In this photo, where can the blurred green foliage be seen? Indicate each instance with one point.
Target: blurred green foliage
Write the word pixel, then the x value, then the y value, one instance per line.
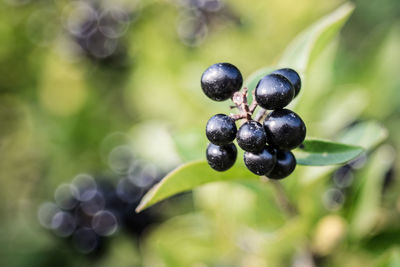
pixel 61 107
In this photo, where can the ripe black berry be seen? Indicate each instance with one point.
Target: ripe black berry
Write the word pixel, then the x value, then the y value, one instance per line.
pixel 221 158
pixel 285 165
pixel 221 129
pixel 221 80
pixel 285 129
pixel 292 76
pixel 251 137
pixel 261 163
pixel 274 91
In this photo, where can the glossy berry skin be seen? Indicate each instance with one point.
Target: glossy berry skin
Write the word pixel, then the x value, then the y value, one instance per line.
pixel 260 163
pixel 220 81
pixel 292 76
pixel 221 158
pixel 251 137
pixel 284 166
pixel 274 91
pixel 221 129
pixel 285 129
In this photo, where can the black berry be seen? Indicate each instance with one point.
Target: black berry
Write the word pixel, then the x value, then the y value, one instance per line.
pixel 221 158
pixel 221 80
pixel 274 91
pixel 284 166
pixel 251 137
pixel 285 129
pixel 261 163
pixel 221 129
pixel 292 76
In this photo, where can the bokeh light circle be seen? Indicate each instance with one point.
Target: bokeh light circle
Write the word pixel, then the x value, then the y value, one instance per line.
pixel 63 223
pixel 120 159
pixel 104 223
pixel 85 185
pixel 65 196
pixel 93 205
pixel 85 240
pixel 127 191
pixel 46 213
pixel 333 199
pixel 114 22
pixel 80 19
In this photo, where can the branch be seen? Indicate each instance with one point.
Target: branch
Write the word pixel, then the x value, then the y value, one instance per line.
pixel 254 104
pixel 240 100
pixel 238 116
pixel 281 197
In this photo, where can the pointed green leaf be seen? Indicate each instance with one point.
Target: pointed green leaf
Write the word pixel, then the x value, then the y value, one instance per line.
pixel 196 173
pixel 252 80
pixel 189 176
pixel 190 144
pixel 365 134
pixel 321 153
pixel 308 44
pixel 367 207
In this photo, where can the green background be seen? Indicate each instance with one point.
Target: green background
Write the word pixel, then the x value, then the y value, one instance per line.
pixel 60 112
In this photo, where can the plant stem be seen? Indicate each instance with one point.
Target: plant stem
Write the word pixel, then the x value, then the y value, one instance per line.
pixel 240 100
pixel 291 210
pixel 281 197
pixel 260 114
pixel 254 104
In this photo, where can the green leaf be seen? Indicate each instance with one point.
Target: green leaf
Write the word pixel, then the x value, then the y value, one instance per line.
pixel 382 241
pixel 196 173
pixel 285 240
pixel 367 208
pixel 367 134
pixel 253 78
pixel 320 153
pixel 189 176
pixel 190 144
pixel 195 234
pixel 389 257
pixel 308 44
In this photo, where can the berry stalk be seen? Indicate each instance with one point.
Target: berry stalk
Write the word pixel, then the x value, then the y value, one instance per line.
pixel 239 98
pixel 260 114
pixel 281 197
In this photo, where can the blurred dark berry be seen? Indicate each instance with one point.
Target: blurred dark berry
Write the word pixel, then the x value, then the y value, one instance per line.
pixel 63 223
pixel 389 178
pixel 343 177
pixel 333 199
pixel 85 240
pixel 94 210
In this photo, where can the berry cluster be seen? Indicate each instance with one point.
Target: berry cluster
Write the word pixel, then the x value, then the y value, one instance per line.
pixel 87 211
pixel 199 17
pixel 267 146
pixel 99 30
